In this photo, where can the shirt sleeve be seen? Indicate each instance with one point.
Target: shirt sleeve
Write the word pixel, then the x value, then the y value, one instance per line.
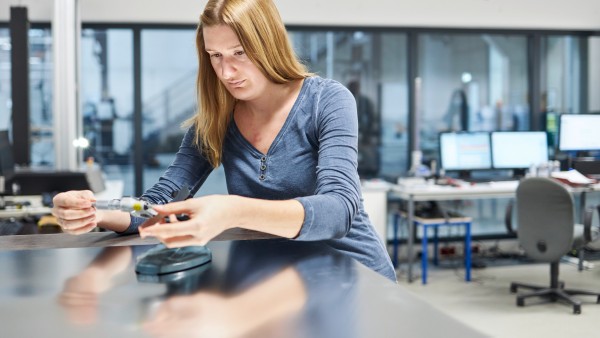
pixel 189 168
pixel 329 213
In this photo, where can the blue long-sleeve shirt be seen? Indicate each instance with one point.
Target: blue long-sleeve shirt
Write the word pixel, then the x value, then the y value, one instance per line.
pixel 313 159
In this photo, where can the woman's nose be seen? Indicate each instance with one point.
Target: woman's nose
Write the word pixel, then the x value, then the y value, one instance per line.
pixel 227 69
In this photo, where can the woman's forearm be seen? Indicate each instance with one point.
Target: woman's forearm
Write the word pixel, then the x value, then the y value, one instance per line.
pixel 280 218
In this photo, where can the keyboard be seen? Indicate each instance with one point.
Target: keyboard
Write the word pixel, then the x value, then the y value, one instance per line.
pixel 489 179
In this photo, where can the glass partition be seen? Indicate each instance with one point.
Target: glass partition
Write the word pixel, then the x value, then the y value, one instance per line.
pixel 5 76
pixel 470 82
pixel 40 97
pixel 561 74
pixel 561 82
pixel 372 65
pixel 169 68
pixel 40 92
pixel 107 101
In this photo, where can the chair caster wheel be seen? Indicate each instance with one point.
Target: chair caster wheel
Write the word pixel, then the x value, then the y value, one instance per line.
pixel 513 289
pixel 577 309
pixel 598 300
pixel 520 302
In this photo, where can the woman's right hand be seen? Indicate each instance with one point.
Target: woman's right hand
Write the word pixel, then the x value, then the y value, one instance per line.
pixel 75 212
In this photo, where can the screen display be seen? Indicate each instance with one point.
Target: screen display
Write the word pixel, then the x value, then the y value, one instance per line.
pixel 578 132
pixel 519 149
pixel 465 151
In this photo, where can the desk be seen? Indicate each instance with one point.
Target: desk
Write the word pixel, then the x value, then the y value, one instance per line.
pixel 265 288
pixel 374 195
pixel 114 189
pixel 430 192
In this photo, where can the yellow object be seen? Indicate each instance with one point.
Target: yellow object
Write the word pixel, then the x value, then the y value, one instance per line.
pixel 47 220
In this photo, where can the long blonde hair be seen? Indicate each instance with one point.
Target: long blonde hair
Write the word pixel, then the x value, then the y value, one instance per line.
pixel 263 36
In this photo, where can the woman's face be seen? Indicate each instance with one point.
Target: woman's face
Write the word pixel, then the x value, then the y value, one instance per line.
pixel 231 64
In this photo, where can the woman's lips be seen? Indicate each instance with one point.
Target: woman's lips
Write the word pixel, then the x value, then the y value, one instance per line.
pixel 236 84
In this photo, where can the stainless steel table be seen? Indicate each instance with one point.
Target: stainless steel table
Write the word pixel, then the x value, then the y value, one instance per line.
pixel 258 288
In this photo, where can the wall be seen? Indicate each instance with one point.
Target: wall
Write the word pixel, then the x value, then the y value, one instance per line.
pixel 529 14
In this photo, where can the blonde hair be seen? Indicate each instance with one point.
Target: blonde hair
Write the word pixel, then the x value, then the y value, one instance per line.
pixel 264 38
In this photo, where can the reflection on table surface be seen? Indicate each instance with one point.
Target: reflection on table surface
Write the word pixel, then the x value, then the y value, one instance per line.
pixel 260 288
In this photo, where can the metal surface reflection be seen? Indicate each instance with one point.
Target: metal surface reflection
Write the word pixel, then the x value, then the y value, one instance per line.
pixel 270 288
pixel 258 288
pixel 81 293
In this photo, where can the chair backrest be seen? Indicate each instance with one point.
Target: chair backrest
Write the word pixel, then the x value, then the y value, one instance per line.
pixel 545 218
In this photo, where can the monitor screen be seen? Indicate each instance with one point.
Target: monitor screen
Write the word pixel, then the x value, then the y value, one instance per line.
pixel 579 132
pixel 519 149
pixel 465 151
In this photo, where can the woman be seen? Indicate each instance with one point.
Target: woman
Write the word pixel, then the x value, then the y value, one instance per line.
pixel 287 141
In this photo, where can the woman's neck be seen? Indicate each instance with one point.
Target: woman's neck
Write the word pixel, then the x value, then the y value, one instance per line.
pixel 278 99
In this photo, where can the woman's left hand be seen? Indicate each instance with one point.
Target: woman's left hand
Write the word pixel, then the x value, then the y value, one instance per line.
pixel 208 217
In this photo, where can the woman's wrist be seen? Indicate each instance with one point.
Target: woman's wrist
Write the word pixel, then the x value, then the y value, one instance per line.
pixel 99 218
pixel 235 213
pixel 113 220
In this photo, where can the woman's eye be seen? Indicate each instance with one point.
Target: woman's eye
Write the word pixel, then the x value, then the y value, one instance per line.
pixel 240 52
pixel 215 55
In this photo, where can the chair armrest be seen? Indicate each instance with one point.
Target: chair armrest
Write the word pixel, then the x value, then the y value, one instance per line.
pixel 508 217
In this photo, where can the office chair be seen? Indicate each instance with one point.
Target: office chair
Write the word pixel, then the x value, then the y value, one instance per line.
pixel 547 231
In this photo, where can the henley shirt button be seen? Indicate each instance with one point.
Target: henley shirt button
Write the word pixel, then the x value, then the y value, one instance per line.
pixel 263 159
pixel 261 177
pixel 263 167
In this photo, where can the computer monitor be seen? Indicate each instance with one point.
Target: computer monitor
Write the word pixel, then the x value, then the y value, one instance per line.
pixel 38 181
pixel 519 149
pixel 579 132
pixel 465 151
